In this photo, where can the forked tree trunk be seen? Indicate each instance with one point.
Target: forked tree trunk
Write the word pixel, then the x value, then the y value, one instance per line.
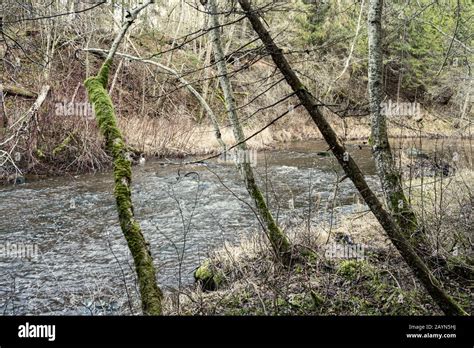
pixel 278 239
pixel 432 285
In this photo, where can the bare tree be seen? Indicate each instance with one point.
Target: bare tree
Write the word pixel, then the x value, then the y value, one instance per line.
pixel 352 170
pixel 278 240
pixel 389 175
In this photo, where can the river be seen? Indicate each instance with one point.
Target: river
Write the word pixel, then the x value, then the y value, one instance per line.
pixel 83 265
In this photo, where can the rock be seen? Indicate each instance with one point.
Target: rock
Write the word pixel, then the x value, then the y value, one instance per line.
pixel 428 167
pixel 15 179
pixel 414 152
pixel 323 153
pixel 19 180
pixel 209 278
pixel 135 156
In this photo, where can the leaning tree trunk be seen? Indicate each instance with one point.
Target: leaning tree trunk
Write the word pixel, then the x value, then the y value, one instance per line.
pixel 96 86
pixel 389 176
pixel 432 285
pixel 278 239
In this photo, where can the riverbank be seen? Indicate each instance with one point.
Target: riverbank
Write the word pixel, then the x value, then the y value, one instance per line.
pixel 352 268
pixel 167 139
pixel 82 151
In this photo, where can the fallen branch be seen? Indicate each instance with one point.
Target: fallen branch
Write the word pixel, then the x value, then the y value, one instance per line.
pixel 18 91
pixel 34 108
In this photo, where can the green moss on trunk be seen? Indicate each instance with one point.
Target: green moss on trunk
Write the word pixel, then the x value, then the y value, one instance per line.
pixel 151 295
pixel 209 277
pixel 278 239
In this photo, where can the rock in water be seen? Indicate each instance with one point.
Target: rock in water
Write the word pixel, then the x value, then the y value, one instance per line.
pixel 18 180
pixel 323 153
pixel 414 152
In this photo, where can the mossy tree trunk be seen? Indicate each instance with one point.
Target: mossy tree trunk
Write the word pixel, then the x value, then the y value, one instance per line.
pixel 419 268
pixel 96 86
pixel 278 239
pixel 389 176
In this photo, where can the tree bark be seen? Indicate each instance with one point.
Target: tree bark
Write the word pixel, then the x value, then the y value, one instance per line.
pixel 96 86
pixel 432 285
pixel 278 239
pixel 389 176
pixel 3 112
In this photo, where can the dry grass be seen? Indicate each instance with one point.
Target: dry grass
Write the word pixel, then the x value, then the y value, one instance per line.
pixel 379 284
pixel 445 207
pixel 168 138
pixel 253 284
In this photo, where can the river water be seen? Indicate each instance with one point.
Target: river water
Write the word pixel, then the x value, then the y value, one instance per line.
pixel 83 265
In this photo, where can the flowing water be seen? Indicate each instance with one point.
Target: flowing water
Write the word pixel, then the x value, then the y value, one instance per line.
pixel 83 265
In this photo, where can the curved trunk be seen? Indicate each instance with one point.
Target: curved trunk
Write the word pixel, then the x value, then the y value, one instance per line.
pixel 96 89
pixel 96 86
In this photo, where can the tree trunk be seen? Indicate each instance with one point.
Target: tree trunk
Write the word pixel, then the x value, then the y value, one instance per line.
pixel 389 176
pixel 3 111
pixel 278 240
pixel 432 285
pixel 96 87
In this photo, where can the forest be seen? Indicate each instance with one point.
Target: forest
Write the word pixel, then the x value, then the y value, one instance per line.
pixel 236 157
